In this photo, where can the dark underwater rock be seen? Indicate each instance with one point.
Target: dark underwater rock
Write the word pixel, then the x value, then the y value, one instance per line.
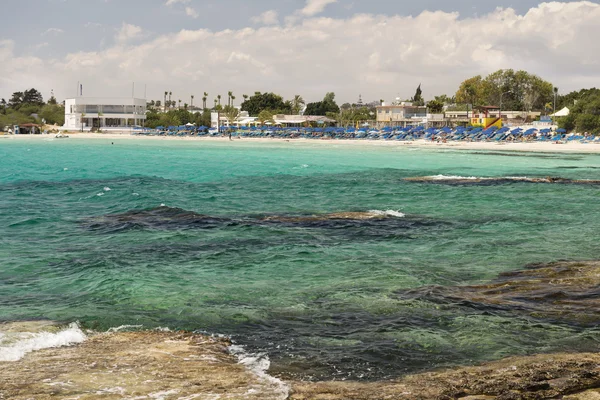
pixel 176 218
pixel 479 181
pixel 155 218
pixel 563 292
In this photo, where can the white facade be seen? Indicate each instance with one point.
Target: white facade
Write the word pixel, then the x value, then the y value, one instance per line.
pixel 104 112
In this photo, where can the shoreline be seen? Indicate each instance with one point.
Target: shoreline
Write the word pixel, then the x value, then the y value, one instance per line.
pixel 524 147
pixel 166 364
pixel 182 365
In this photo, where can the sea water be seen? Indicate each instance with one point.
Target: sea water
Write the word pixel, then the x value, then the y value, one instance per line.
pixel 319 299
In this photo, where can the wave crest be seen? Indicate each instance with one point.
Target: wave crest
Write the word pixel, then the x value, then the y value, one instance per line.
pixel 15 345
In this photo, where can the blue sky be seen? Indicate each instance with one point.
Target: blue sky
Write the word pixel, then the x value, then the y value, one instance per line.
pixel 291 46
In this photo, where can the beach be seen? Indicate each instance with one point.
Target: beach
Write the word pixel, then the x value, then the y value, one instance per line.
pixel 563 147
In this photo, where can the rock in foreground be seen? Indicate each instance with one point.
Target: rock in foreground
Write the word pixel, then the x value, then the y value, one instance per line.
pixel 557 376
pixel 137 365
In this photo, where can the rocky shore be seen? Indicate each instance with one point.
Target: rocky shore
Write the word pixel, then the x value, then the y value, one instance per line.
pixel 181 365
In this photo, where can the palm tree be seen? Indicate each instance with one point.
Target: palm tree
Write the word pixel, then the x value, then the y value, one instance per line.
pixel 215 103
pixel 265 116
pixel 245 96
pixel 204 100
pixel 219 97
pixel 232 99
pixel 297 104
pixel 165 103
pixel 231 113
pixel 192 101
pixel 179 106
pixel 185 106
pixel 170 93
pixel 229 94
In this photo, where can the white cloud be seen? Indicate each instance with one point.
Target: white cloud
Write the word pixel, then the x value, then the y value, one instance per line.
pixel 267 18
pixel 388 56
pixel 190 12
pixel 128 32
pixel 53 31
pixel 173 2
pixel 314 7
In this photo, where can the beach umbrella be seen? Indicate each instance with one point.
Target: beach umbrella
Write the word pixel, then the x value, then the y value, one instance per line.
pixel 561 130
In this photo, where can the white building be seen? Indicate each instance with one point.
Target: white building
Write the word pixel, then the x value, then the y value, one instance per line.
pixel 104 112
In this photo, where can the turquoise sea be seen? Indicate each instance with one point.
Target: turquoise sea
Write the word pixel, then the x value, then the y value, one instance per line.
pixel 173 234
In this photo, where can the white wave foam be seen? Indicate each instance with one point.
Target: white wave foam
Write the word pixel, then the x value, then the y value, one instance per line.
pixel 13 347
pixel 388 213
pixel 123 327
pixel 107 189
pixel 451 177
pixel 259 364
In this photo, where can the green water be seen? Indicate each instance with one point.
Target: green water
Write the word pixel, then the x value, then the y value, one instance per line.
pixel 318 299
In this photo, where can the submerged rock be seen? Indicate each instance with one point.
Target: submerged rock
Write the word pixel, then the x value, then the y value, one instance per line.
pixel 478 181
pixel 155 218
pixel 326 217
pixel 567 292
pixel 176 218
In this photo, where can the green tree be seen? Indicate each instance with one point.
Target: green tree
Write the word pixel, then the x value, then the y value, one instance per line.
pixel 219 99
pixel 471 91
pixel 264 101
pixel 16 100
pixel 435 106
pixel 297 104
pixel 53 114
pixel 323 107
pixel 265 116
pixel 584 113
pixel 231 113
pixel 417 99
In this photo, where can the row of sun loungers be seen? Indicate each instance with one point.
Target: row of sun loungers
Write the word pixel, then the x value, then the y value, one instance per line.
pixel 504 134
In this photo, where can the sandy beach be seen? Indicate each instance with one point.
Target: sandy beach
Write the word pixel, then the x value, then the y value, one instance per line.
pixel 544 147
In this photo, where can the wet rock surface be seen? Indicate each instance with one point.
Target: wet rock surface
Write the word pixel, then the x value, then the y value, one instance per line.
pixel 557 376
pixel 563 292
pixel 478 181
pixel 136 365
pixel 178 365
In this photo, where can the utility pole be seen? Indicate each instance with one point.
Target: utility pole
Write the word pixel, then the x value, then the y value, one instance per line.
pixel 554 112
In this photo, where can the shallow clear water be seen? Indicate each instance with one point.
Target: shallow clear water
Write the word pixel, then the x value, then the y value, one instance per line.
pixel 318 298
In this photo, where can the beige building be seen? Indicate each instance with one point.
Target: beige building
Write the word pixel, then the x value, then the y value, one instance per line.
pixel 403 114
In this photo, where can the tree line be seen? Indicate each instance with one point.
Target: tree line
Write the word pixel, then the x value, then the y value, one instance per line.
pixel 506 88
pixel 29 107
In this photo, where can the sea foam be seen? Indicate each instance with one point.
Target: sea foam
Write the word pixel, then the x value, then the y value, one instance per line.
pixel 14 346
pixel 259 364
pixel 388 213
pixel 451 177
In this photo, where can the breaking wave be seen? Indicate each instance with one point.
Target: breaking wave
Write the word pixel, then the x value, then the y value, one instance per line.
pixel 15 345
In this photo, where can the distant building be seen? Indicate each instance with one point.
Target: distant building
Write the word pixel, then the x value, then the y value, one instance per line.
pixel 402 114
pixel 279 120
pixel 104 112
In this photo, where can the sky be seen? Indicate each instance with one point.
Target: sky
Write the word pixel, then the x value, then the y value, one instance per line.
pixel 380 49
